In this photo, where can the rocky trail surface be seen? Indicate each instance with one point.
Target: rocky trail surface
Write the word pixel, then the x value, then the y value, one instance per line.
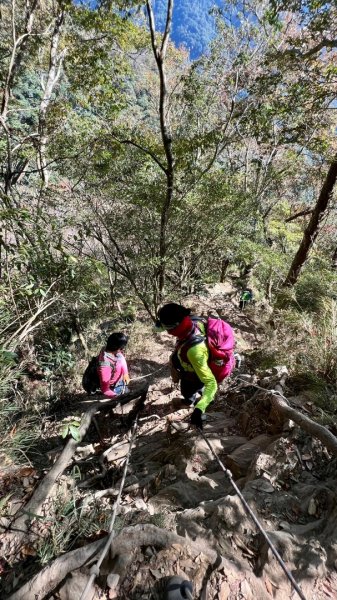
pixel 178 513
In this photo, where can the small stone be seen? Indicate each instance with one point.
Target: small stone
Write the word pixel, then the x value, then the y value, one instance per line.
pixel 312 508
pixel 140 504
pixel 266 486
pixel 285 525
pixel 245 589
pixel 280 370
pixel 155 573
pixel 150 508
pixel 112 580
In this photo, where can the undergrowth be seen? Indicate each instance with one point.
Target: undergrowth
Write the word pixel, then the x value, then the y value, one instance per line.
pixel 18 430
pixel 306 342
pixel 70 525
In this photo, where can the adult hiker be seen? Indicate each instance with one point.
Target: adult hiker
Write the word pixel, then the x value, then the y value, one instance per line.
pixel 112 367
pixel 245 298
pixel 197 360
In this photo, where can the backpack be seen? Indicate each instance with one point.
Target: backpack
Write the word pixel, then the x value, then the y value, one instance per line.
pixel 90 379
pixel 220 343
pixel 247 295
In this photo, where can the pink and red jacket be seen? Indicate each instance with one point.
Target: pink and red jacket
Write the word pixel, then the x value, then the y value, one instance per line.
pixel 112 370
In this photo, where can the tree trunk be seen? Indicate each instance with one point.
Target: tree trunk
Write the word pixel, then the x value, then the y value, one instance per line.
pixel 312 229
pixel 55 63
pixel 160 56
pixel 224 266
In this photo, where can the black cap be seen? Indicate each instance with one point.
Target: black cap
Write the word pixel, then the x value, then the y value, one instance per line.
pixel 171 314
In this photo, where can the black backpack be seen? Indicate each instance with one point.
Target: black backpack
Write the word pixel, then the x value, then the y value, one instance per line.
pixel 90 379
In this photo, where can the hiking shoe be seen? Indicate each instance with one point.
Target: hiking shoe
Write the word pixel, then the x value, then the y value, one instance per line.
pixel 189 401
pixel 186 402
pixel 179 403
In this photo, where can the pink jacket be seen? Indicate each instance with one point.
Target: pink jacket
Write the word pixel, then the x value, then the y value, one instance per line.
pixel 112 368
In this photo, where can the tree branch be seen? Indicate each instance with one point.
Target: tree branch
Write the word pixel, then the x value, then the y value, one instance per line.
pixel 324 43
pixel 302 213
pixel 167 31
pixel 145 150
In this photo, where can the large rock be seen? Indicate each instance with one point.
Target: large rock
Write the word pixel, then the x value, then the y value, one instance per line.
pixel 222 445
pixel 74 586
pixel 240 460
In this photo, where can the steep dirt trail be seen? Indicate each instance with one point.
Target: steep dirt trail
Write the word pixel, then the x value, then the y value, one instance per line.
pixel 174 483
pixel 285 476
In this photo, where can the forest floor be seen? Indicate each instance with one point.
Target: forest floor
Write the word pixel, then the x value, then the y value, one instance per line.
pixel 174 484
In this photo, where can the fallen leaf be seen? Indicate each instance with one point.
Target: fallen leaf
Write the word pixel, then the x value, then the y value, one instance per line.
pixel 28 551
pixel 177 547
pixel 186 564
pixel 26 471
pixel 327 593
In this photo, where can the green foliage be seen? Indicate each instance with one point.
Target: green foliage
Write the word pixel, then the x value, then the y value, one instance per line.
pixel 71 428
pixel 314 289
pixel 56 362
pixel 320 356
pixel 70 524
pixel 18 431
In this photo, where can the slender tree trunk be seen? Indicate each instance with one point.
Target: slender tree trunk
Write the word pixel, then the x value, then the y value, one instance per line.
pixel 55 64
pixel 312 230
pixel 17 55
pixel 160 56
pixel 224 266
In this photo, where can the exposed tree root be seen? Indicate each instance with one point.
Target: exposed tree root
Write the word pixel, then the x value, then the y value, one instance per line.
pixel 47 579
pixel 123 545
pixel 316 430
pixel 44 490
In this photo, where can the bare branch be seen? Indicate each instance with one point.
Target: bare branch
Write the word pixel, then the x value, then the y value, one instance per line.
pixel 302 213
pixel 152 28
pixel 145 150
pixel 167 31
pixel 325 43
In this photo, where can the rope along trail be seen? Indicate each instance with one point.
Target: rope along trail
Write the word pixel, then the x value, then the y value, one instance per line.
pixel 255 519
pixel 94 571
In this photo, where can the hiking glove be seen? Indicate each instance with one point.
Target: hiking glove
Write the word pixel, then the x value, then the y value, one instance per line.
pixel 196 418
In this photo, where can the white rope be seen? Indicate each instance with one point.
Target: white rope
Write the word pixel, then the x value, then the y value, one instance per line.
pixel 149 374
pixel 229 476
pixel 96 567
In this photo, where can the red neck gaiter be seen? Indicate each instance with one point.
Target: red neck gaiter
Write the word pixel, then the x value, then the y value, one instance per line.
pixel 183 329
